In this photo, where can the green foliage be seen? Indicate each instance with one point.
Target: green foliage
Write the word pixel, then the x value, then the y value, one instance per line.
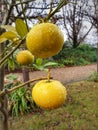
pixel 82 55
pixel 11 62
pixel 2 39
pixel 10 33
pixel 93 77
pixel 68 62
pixel 21 28
pixel 80 111
pixel 20 100
pixel 12 77
pixel 42 65
pixel 9 28
pixel 7 36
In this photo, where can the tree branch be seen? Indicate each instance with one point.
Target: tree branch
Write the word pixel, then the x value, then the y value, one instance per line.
pixel 5 91
pixel 2 61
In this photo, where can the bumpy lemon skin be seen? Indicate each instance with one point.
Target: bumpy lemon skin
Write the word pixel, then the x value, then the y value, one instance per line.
pixel 24 57
pixel 49 95
pixel 45 40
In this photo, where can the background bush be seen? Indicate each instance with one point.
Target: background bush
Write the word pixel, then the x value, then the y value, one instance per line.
pixel 82 55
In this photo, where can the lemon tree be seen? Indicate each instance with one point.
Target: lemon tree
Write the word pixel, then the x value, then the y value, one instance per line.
pixel 44 40
pixel 49 94
pixel 24 57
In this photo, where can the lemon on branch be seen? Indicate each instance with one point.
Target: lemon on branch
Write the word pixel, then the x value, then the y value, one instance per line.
pixel 49 94
pixel 44 40
pixel 24 57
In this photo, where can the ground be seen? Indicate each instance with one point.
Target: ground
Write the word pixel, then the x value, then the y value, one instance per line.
pixel 80 111
pixel 66 74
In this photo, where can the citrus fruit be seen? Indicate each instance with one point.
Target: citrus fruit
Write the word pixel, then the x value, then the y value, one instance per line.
pixel 24 57
pixel 49 94
pixel 44 40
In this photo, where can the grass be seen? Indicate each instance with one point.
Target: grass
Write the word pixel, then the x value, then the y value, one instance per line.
pixel 80 112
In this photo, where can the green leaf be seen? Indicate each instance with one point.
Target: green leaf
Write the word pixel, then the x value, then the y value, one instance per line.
pixel 39 61
pixel 2 40
pixel 38 67
pixel 50 64
pixel 12 77
pixel 8 35
pixel 11 64
pixel 9 28
pixel 21 28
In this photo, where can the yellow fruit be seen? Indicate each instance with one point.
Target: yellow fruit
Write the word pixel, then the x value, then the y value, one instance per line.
pixel 24 57
pixel 44 40
pixel 49 94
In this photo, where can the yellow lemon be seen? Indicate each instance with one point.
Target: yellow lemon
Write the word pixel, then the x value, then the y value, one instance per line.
pixel 49 94
pixel 24 57
pixel 45 40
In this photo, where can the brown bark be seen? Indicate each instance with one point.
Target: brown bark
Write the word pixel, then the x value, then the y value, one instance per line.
pixel 25 72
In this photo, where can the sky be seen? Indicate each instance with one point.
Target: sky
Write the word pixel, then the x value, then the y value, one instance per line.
pixel 91 38
pixel 48 1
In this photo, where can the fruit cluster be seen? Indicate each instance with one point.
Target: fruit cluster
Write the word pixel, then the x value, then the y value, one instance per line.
pixel 44 40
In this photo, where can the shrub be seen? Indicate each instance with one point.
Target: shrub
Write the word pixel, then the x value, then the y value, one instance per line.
pixel 82 55
pixel 93 77
pixel 20 101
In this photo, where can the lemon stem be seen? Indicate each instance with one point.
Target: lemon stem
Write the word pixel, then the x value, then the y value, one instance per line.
pixel 49 75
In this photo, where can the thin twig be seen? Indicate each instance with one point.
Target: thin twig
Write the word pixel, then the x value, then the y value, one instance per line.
pixel 59 6
pixel 10 53
pixel 7 49
pixel 24 14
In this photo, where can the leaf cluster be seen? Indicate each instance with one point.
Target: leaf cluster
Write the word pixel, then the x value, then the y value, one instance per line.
pixel 20 101
pixel 93 77
pixel 15 37
pixel 19 31
pixel 82 55
pixel 41 64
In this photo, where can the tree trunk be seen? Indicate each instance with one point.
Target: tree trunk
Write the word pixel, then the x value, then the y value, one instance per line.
pixel 3 106
pixel 4 114
pixel 25 72
pixel 97 57
pixel 75 43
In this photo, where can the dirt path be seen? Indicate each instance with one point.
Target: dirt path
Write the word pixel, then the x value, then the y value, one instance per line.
pixel 66 74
